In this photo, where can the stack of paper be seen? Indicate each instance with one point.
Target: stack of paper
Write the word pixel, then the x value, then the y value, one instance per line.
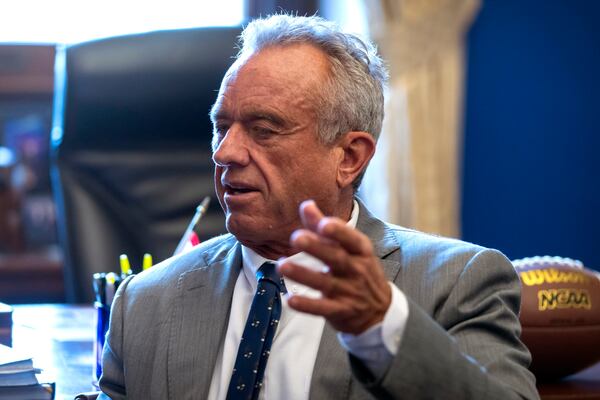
pixel 17 378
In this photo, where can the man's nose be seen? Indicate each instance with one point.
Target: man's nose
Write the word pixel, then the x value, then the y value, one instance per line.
pixel 231 149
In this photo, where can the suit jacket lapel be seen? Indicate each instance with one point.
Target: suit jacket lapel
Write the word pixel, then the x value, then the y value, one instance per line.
pixel 199 321
pixel 332 377
pixel 384 241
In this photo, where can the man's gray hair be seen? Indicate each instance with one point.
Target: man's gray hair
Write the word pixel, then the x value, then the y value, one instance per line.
pixel 352 98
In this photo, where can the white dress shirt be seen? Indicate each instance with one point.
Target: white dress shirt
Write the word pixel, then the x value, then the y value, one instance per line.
pixel 296 342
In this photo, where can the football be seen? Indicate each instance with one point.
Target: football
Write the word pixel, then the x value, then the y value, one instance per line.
pixel 560 315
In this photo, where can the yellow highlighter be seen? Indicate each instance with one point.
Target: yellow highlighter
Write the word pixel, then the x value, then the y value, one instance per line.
pixel 125 266
pixel 147 263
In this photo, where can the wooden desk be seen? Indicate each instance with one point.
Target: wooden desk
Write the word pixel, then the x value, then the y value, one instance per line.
pixel 582 386
pixel 60 337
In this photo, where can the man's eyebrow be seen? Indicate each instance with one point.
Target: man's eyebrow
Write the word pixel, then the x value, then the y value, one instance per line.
pixel 258 115
pixel 216 113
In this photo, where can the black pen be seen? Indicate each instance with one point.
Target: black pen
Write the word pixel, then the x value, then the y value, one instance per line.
pixel 99 282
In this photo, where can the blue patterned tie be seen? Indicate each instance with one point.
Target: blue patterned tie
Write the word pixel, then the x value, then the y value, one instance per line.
pixel 255 345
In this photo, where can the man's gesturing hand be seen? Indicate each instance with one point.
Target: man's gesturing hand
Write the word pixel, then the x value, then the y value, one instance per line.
pixel 356 294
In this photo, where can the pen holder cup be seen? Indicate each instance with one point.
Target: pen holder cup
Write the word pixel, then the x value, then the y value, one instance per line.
pixel 102 318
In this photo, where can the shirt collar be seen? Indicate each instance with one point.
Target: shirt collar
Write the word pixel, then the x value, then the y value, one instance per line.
pixel 251 261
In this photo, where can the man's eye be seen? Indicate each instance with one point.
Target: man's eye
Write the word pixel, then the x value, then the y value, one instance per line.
pixel 219 132
pixel 221 129
pixel 262 131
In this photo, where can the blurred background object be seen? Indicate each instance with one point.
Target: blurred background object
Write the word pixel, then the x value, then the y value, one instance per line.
pixel 131 146
pixel 526 147
pixel 560 316
pixel 417 183
pixel 31 268
pixel 531 166
pixel 11 232
pixel 31 261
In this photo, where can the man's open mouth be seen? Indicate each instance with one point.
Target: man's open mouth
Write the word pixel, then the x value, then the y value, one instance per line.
pixel 236 189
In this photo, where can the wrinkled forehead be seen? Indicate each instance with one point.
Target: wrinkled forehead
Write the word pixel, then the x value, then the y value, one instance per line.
pixel 296 69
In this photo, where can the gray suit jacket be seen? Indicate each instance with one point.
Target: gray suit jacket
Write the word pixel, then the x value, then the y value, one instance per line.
pixel 461 340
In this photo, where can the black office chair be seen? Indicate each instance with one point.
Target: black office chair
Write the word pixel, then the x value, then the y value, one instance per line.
pixel 131 154
pixel 87 396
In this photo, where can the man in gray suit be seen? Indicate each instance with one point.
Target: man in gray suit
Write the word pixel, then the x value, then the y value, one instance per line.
pixel 372 310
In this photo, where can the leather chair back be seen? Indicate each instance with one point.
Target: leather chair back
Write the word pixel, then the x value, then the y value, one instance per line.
pixel 131 155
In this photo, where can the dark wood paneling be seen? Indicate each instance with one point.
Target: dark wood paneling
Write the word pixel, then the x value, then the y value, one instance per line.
pixel 26 70
pixel 31 278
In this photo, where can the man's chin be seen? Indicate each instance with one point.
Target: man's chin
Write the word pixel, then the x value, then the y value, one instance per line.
pixel 247 228
pixel 241 225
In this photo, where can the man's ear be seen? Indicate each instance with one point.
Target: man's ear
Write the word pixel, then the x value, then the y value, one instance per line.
pixel 357 149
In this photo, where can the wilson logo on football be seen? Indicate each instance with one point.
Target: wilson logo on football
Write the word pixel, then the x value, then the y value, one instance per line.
pixel 535 277
pixel 553 299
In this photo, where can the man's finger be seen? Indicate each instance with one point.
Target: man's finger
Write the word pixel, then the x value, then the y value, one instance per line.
pixel 349 238
pixel 323 307
pixel 329 252
pixel 305 276
pixel 327 284
pixel 334 228
pixel 310 215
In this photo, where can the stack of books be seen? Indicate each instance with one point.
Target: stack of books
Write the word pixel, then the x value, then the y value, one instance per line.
pixel 18 379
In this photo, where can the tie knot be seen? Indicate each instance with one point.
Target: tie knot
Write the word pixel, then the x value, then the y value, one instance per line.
pixel 268 272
